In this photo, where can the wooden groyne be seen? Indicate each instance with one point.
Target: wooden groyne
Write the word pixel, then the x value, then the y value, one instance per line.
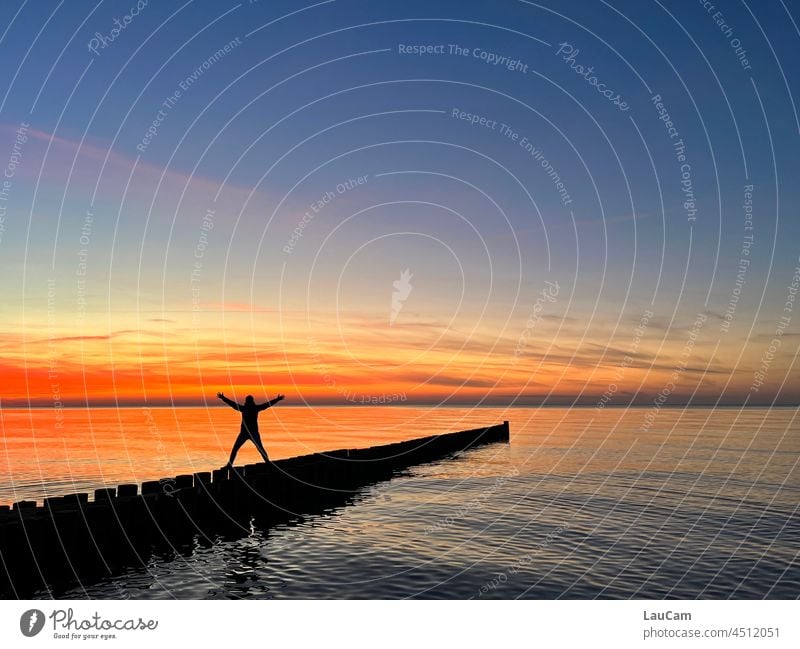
pixel 71 540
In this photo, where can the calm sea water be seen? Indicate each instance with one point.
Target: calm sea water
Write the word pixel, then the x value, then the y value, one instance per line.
pixel 580 504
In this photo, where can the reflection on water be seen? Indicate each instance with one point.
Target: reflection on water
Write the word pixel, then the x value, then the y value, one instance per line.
pixel 580 504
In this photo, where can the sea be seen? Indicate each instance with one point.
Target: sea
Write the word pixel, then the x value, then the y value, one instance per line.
pixel 583 503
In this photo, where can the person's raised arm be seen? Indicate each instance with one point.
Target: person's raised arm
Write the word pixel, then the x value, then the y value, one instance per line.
pixel 271 403
pixel 230 402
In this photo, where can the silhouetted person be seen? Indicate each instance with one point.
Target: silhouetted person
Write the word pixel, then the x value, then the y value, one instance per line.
pixel 249 428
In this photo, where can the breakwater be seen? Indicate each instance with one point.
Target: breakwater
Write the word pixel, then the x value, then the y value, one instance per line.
pixel 79 538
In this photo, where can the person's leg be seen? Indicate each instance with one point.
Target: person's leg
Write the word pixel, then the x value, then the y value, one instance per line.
pixel 257 441
pixel 241 439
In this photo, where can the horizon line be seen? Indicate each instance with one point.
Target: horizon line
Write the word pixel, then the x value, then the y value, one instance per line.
pixel 311 404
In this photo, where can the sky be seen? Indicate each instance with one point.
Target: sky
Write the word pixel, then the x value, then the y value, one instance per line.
pixel 486 203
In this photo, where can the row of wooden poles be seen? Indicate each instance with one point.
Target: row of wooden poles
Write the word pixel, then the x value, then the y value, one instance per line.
pixel 71 540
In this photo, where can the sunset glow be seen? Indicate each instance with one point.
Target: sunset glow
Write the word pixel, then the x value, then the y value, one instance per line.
pixel 429 243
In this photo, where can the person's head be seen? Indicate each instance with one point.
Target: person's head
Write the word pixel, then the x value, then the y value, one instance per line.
pixel 249 400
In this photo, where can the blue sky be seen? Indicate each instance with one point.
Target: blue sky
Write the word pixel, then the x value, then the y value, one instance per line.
pixel 311 95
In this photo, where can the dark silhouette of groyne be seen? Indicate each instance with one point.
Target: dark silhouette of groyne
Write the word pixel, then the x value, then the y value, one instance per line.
pixel 69 540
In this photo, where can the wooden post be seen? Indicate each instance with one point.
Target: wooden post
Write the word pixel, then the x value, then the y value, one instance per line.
pixel 127 490
pixel 105 494
pixel 151 488
pixel 202 479
pixel 184 482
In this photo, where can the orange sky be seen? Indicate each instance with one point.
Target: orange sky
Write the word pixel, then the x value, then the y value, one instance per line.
pixel 318 328
pixel 350 358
